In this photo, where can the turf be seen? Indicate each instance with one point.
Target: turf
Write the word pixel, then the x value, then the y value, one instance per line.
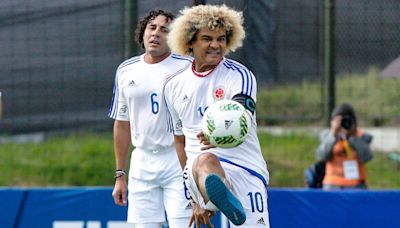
pixel 87 159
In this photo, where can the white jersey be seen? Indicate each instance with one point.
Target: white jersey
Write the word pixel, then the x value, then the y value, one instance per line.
pixel 188 95
pixel 138 98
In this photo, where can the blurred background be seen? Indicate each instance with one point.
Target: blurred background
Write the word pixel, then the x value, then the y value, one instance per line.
pixel 58 59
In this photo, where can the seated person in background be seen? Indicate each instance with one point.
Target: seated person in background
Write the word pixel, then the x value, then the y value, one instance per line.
pixel 345 149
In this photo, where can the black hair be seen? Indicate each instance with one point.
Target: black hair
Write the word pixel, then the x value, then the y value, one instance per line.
pixel 146 20
pixel 346 111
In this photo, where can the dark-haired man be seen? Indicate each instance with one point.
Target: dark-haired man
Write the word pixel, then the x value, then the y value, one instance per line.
pixel 155 179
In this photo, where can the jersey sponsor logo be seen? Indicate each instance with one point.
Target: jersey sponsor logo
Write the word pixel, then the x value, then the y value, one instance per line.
pixel 189 206
pixel 219 93
pixel 185 98
pixel 261 221
pixel 178 125
pixel 123 110
pixel 132 83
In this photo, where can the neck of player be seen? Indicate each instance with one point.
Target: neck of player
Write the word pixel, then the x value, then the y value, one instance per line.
pixel 202 67
pixel 151 59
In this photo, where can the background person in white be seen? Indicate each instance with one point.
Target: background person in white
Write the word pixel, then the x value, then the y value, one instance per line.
pixel 155 178
pixel 232 180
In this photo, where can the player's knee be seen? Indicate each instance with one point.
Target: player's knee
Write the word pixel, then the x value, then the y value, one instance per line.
pixel 206 159
pixel 207 163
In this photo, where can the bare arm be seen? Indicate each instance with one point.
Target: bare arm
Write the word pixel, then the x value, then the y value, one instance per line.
pixel 180 149
pixel 122 143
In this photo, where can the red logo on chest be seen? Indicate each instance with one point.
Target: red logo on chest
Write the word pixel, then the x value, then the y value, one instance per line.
pixel 219 93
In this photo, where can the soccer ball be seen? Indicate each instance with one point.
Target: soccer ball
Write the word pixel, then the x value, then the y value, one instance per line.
pixel 226 124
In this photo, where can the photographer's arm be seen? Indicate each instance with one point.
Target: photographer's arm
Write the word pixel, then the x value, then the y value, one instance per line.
pixel 324 150
pixel 361 147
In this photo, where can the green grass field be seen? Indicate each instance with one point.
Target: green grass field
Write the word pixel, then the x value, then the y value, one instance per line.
pixel 88 160
pixel 375 100
pixel 288 155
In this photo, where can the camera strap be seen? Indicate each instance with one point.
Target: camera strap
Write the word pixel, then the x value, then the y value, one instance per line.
pixel 347 148
pixel 350 166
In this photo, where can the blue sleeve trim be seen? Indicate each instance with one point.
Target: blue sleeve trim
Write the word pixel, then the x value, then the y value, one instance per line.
pixel 247 76
pixel 129 62
pixel 175 56
pixel 170 123
pixel 112 112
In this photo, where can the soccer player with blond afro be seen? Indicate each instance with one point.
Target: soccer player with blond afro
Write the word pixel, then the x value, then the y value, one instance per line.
pixel 233 181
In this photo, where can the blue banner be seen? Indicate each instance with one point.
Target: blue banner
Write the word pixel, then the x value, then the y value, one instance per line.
pixel 95 208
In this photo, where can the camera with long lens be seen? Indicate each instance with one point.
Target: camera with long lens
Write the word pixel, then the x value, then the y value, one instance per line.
pixel 347 122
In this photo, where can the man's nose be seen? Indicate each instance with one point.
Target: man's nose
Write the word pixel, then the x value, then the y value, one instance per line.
pixel 214 44
pixel 156 32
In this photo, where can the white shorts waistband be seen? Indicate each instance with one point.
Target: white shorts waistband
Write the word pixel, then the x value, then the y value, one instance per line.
pixel 156 150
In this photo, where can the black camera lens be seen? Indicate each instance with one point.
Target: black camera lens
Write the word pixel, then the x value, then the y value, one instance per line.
pixel 347 122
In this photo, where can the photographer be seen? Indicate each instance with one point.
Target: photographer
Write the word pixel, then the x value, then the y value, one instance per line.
pixel 345 150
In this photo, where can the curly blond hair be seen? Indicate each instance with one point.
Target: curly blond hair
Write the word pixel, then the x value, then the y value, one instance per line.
pixel 215 17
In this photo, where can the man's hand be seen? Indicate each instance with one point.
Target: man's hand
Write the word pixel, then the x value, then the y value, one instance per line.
pixel 201 216
pixel 119 192
pixel 338 131
pixel 205 143
pixel 336 127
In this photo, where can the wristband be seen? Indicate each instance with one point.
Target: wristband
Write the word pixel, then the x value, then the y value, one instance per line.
pixel 119 173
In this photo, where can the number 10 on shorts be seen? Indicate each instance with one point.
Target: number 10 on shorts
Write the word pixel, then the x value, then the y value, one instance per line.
pixel 257 202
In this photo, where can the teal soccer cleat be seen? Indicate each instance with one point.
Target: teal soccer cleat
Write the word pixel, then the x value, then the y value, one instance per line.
pixel 224 199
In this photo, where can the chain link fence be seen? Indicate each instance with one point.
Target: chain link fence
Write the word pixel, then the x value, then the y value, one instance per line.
pixel 58 59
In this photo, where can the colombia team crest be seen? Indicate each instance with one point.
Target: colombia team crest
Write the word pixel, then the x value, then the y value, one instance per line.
pixel 219 93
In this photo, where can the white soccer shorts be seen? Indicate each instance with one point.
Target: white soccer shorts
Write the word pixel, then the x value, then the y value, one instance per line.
pixel 248 188
pixel 155 185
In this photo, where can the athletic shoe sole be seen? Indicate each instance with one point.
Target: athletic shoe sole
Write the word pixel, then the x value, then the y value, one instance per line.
pixel 224 200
